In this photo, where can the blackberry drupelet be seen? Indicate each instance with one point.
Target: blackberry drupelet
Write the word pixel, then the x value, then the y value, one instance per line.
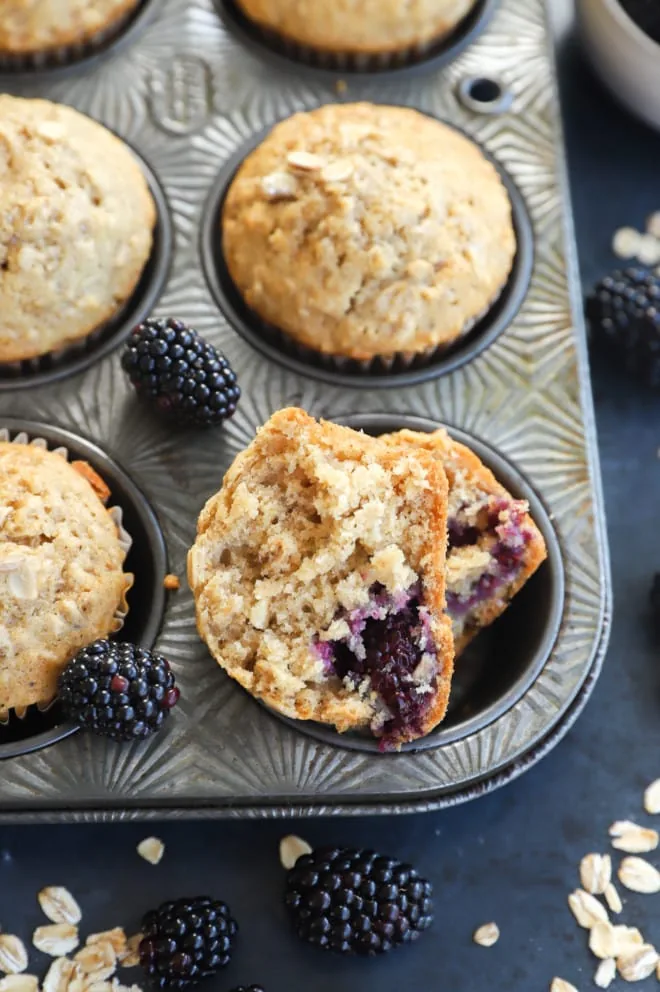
pixel 357 902
pixel 118 690
pixel 624 313
pixel 645 14
pixel 177 370
pixel 185 941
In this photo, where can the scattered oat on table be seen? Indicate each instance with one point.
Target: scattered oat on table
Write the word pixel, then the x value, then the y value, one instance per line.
pixel 57 939
pixel 59 975
pixel 595 873
pixel 130 958
pixel 653 224
pixel 115 937
pixel 58 905
pixel 632 838
pixel 586 909
pixel 652 792
pixel 626 242
pixel 151 849
pixel 292 848
pixel 605 973
pixel 613 899
pixel 172 583
pixel 559 985
pixel 636 965
pixel 486 935
pixel 639 875
pixel 13 956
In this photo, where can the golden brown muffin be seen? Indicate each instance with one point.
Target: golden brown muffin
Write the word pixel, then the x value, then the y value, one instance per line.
pixel 76 226
pixel 318 576
pixel 494 545
pixel 33 26
pixel 62 582
pixel 368 27
pixel 363 230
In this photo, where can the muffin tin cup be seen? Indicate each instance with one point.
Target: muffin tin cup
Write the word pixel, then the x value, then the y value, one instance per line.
pixel 79 355
pixel 400 369
pixel 304 60
pixel 37 726
pixel 483 689
pixel 83 55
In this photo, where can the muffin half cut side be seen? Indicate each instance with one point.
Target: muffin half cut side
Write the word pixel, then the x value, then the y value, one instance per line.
pixel 318 575
pixel 494 546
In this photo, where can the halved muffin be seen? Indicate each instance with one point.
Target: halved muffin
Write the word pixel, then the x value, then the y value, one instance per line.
pixel 318 576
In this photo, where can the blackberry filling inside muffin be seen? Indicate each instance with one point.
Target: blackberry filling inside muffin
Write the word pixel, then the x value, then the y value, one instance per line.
pixel 388 649
pixel 486 554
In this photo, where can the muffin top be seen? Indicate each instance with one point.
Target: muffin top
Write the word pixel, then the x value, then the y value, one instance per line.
pixel 317 531
pixel 29 26
pixel 365 230
pixel 358 26
pixel 61 571
pixel 76 226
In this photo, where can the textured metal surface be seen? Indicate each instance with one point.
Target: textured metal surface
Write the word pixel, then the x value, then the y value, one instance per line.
pixel 187 96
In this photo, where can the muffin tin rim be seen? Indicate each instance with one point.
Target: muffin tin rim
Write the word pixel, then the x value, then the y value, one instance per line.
pixel 446 51
pixel 497 320
pixel 81 447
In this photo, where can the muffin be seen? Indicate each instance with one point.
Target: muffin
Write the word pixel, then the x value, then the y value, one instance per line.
pixel 358 27
pixel 494 546
pixel 39 28
pixel 76 226
pixel 62 582
pixel 364 231
pixel 318 576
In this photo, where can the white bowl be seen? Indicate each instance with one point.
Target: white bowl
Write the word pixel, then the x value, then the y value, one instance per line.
pixel 625 58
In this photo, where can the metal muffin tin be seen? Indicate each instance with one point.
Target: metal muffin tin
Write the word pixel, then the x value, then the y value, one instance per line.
pixel 188 96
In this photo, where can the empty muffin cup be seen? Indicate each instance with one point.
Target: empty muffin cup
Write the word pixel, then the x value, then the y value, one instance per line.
pixel 84 54
pixel 33 727
pixel 410 59
pixel 501 664
pixel 400 369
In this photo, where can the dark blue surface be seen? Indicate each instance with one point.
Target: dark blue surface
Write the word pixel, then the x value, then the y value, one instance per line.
pixel 511 857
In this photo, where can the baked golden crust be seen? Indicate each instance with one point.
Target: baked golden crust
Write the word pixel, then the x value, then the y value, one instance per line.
pixel 309 517
pixel 41 25
pixel 360 27
pixel 363 230
pixel 61 571
pixel 76 226
pixel 472 486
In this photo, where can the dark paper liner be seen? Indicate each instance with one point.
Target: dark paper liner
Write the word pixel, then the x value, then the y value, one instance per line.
pixel 85 54
pixel 80 354
pixel 294 57
pixel 37 726
pixel 400 369
pixel 483 689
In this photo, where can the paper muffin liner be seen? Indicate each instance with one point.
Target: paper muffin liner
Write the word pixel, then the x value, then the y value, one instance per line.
pixel 125 543
pixel 68 55
pixel 330 61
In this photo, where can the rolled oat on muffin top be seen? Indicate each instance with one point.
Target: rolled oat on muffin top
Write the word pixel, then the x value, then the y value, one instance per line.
pixel 367 27
pixel 34 26
pixel 61 570
pixel 363 230
pixel 76 226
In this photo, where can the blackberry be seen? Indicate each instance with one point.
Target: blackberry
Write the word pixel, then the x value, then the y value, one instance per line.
pixel 118 690
pixel 645 14
pixel 186 940
pixel 248 988
pixel 184 376
pixel 624 313
pixel 357 902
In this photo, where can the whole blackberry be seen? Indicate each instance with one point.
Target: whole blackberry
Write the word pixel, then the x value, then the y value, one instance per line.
pixel 118 690
pixel 624 313
pixel 357 902
pixel 184 376
pixel 646 14
pixel 186 940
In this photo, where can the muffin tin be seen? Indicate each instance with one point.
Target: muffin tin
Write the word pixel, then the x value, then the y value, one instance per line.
pixel 189 99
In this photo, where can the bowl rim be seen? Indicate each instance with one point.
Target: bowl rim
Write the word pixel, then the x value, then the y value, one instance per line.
pixel 626 22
